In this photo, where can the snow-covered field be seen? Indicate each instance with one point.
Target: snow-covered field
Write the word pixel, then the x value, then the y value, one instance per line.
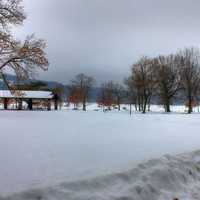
pixel 94 155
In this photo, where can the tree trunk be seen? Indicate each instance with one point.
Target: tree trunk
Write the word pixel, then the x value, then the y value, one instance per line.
pixel 119 107
pixel 136 107
pixel 167 106
pixel 84 105
pixel 139 104
pixel 144 106
pixel 149 104
pixel 190 106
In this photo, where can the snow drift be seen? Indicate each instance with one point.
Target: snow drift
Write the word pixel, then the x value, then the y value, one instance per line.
pixel 158 179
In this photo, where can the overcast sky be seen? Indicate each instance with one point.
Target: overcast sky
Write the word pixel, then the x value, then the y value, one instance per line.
pixel 103 38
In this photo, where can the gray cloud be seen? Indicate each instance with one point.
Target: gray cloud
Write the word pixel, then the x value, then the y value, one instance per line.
pixel 104 37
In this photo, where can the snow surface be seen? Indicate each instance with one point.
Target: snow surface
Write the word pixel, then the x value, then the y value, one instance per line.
pixel 44 149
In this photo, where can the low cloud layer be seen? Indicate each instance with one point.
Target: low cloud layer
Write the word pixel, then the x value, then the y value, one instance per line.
pixel 103 38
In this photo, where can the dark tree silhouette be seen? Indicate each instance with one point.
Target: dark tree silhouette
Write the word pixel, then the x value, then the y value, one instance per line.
pixel 167 77
pixel 190 75
pixel 83 84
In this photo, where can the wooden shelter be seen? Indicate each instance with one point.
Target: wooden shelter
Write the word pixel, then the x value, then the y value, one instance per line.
pixel 20 99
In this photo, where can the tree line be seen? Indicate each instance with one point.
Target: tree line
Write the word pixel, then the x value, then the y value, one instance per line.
pixel 166 77
pixel 162 79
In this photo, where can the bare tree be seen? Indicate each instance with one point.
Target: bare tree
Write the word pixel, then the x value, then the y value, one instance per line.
pixel 130 86
pixel 167 77
pixel 106 96
pixel 74 96
pixel 190 74
pixel 22 57
pixel 143 80
pixel 119 94
pixel 83 83
pixel 131 94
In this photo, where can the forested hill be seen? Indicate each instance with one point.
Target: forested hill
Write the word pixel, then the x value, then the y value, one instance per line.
pixel 13 79
pixel 49 85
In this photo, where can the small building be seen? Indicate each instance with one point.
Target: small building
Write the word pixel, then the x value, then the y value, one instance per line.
pixel 20 99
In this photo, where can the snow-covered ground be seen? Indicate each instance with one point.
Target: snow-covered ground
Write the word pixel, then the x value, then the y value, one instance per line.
pixel 54 150
pixel 167 178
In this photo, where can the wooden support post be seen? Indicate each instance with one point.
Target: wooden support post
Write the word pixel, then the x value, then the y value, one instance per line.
pixel 20 104
pixel 49 105
pixel 30 104
pixel 5 101
pixel 56 102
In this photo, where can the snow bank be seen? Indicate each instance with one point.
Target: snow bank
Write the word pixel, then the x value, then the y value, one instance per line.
pixel 160 179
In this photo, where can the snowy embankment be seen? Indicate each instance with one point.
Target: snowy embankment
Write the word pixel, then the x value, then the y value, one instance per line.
pixel 166 178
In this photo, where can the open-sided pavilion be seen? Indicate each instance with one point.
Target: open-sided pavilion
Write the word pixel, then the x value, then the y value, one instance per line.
pixel 28 98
